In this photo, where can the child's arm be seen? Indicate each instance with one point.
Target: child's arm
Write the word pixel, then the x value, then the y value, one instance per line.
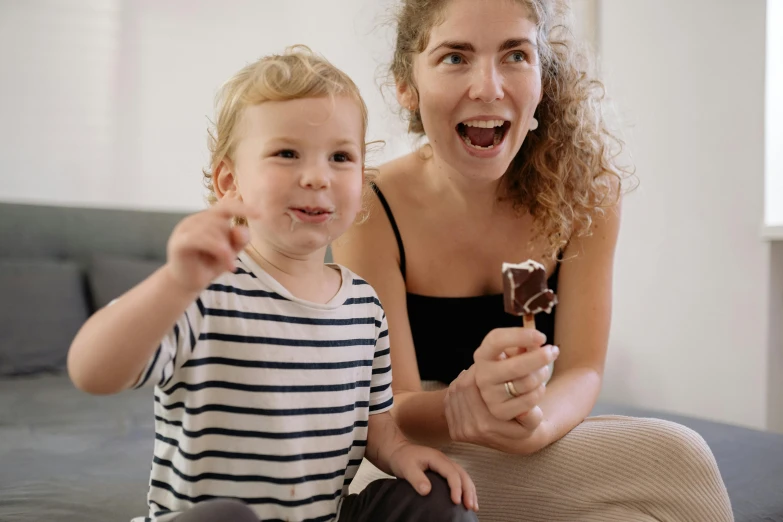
pixel 112 348
pixel 383 439
pixel 387 447
pixel 392 453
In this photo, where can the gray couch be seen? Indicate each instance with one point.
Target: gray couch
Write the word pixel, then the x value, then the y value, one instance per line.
pixel 67 456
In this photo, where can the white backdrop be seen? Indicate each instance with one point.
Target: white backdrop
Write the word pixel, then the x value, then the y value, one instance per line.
pixel 105 103
pixel 109 99
pixel 774 114
pixel 691 318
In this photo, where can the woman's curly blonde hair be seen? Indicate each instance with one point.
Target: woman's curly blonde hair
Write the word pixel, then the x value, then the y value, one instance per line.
pixel 566 171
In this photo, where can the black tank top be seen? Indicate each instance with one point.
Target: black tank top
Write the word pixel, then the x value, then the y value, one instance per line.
pixel 447 330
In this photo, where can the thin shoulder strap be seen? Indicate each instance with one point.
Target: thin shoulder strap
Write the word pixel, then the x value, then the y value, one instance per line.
pixel 393 223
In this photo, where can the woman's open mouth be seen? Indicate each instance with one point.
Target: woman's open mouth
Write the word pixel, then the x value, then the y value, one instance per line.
pixel 483 134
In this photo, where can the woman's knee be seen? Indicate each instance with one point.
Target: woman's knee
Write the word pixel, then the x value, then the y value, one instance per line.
pixel 642 441
pixel 684 447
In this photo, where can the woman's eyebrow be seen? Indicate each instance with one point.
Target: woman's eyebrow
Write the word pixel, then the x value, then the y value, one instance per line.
pixel 454 46
pixel 511 43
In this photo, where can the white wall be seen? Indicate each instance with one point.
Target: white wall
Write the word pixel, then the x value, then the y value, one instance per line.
pixel 111 97
pixel 690 322
pixel 57 98
pixel 774 119
pixel 106 104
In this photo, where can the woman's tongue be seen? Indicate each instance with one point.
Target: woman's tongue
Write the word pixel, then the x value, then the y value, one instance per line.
pixel 480 136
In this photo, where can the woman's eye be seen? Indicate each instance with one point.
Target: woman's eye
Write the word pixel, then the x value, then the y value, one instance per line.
pixel 341 157
pixel 287 154
pixel 517 56
pixel 452 59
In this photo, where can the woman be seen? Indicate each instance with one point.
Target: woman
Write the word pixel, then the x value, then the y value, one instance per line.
pixel 518 165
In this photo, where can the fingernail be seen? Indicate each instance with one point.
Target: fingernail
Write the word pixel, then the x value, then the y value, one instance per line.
pixel 555 352
pixel 423 489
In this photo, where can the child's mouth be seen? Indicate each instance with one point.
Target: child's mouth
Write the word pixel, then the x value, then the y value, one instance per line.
pixel 311 214
pixel 483 134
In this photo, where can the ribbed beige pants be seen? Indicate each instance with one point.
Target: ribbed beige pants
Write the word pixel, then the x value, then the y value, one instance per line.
pixel 607 469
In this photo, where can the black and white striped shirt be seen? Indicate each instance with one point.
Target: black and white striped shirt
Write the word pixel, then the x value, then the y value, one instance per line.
pixel 266 398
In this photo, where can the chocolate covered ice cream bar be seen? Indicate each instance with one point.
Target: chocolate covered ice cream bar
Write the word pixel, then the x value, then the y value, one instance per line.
pixel 525 290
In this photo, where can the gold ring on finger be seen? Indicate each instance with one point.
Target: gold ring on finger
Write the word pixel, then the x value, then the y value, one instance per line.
pixel 511 391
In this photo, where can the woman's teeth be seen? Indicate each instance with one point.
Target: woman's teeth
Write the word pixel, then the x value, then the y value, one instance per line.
pixel 497 139
pixel 488 124
pixel 499 127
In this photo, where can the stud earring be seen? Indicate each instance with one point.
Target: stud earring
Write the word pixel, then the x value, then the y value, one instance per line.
pixel 534 124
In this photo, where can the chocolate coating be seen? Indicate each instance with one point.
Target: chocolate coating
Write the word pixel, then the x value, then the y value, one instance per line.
pixel 525 289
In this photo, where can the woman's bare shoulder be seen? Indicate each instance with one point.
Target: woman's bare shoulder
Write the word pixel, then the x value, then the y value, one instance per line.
pixel 369 247
pixel 402 179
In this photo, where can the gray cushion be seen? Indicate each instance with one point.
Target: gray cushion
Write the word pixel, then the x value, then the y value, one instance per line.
pixel 78 233
pixel 111 276
pixel 42 306
pixel 67 456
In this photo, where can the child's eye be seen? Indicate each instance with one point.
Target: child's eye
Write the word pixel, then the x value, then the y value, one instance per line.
pixel 341 157
pixel 286 153
pixel 452 59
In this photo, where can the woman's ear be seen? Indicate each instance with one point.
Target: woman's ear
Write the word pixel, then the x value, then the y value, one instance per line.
pixel 406 96
pixel 224 181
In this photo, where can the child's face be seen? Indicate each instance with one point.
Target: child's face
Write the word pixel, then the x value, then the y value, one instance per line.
pixel 299 162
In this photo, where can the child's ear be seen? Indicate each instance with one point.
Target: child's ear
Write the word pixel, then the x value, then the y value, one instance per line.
pixel 224 180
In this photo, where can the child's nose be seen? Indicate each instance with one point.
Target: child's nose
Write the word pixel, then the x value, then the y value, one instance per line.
pixel 315 177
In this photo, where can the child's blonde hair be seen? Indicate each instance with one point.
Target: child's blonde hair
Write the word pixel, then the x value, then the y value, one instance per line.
pixel 295 74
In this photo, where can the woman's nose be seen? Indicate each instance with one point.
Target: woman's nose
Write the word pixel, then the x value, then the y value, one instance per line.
pixel 487 84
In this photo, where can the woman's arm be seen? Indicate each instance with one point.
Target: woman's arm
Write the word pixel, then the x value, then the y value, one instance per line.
pixel 585 285
pixel 581 329
pixel 370 250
